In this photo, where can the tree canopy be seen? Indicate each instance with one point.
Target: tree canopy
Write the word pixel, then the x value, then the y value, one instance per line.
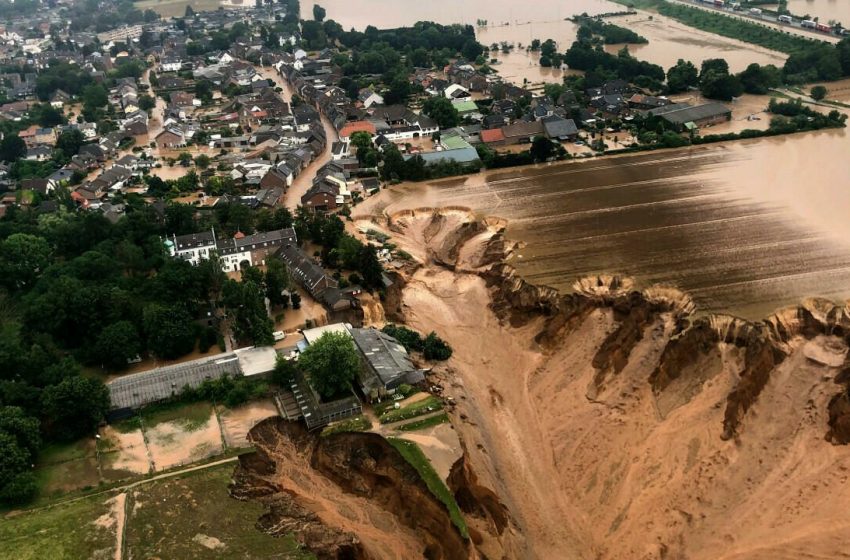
pixel 332 363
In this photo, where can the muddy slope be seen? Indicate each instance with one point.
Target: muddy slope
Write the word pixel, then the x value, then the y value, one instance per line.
pixel 615 423
pixel 347 496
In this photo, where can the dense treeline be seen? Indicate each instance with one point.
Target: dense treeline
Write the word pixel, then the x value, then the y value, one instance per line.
pixel 809 59
pixel 81 294
pixel 611 34
pixel 587 54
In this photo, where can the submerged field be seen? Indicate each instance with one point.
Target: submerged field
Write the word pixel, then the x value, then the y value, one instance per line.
pixel 744 227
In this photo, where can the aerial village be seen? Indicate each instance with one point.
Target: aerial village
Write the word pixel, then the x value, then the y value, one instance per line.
pixel 186 186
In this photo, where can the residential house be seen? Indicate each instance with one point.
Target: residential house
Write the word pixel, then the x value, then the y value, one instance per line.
pixel 170 138
pixel 59 99
pixel 522 132
pixel 560 129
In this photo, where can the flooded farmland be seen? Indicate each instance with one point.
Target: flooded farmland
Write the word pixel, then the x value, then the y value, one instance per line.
pixel 743 227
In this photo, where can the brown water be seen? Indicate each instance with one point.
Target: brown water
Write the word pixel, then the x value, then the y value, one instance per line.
pixel 826 10
pixel 516 24
pixel 743 227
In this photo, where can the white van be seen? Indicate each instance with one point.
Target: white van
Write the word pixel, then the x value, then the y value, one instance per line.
pixel 278 335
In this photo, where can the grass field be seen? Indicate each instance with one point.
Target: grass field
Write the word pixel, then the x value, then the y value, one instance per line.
pixel 161 438
pixel 356 424
pixel 61 532
pixel 413 455
pixel 426 423
pixel 177 8
pixel 193 517
pixel 418 408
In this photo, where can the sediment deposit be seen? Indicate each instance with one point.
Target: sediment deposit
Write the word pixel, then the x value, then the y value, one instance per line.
pixel 615 423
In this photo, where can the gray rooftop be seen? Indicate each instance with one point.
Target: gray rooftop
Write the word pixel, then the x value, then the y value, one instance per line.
pixel 389 363
pixel 679 113
pixel 139 389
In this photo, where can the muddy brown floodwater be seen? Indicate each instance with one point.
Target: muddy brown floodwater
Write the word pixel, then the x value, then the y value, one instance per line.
pixel 743 227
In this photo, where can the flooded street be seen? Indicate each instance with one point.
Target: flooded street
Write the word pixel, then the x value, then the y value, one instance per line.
pixel 826 10
pixel 743 227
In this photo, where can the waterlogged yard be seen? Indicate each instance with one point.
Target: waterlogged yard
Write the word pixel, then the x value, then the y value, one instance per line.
pixel 157 439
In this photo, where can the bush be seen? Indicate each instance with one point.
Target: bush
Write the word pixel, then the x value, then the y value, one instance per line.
pixel 818 93
pixel 410 339
pixel 435 348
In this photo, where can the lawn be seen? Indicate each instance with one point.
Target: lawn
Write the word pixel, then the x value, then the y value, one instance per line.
pixel 418 408
pixel 190 417
pixel 193 517
pixel 413 455
pixel 66 531
pixel 63 468
pixel 356 424
pixel 425 423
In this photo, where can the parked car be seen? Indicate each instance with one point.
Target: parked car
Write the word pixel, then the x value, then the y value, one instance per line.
pixel 278 335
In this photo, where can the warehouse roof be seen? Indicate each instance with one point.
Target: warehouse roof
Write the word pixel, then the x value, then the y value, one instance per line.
pixel 680 113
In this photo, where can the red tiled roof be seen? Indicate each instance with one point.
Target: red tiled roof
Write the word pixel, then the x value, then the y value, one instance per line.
pixel 358 126
pixel 492 135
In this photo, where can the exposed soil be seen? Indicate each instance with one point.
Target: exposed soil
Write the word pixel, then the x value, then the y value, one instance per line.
pixel 613 423
pixel 346 496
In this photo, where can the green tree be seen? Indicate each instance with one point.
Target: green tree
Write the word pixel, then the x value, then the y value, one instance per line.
pixel 95 96
pixel 441 110
pixel 70 141
pixel 759 79
pixel 245 304
pixel 332 363
pixel 318 12
pixel 435 348
pixel 542 148
pixel 361 140
pixel 682 76
pixel 724 87
pixel 117 343
pixel 12 148
pixel 202 161
pixel 284 371
pixel 370 267
pixel 75 406
pixel 146 102
pixel 818 92
pixel 276 281
pixel 25 429
pixel 15 461
pixel 23 257
pixel 169 331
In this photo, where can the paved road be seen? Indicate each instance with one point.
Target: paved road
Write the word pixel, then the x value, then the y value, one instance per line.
pixel 765 19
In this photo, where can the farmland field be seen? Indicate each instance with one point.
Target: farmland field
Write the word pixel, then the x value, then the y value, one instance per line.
pixel 193 517
pixel 176 8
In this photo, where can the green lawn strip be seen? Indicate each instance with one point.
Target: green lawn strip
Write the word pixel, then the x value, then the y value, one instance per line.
pixel 413 455
pixel 356 424
pixel 412 410
pixel 425 423
pixel 65 531
pixel 192 516
pixel 191 417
